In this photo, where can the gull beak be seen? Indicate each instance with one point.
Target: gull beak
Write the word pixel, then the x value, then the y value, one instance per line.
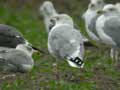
pixel 100 12
pixel 37 50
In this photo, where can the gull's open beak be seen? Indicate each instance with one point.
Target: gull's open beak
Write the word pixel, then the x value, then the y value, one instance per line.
pixel 100 12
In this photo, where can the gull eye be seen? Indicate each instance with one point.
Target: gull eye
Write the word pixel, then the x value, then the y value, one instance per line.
pixel 45 8
pixel 29 48
pixel 92 5
pixel 111 9
pixel 57 18
pixel 51 20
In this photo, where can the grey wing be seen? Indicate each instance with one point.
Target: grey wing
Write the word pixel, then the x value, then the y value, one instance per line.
pixel 3 62
pixel 53 41
pixel 18 61
pixel 3 56
pixel 92 26
pixel 112 29
pixel 17 57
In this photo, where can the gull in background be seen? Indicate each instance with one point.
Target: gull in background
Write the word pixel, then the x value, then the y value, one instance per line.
pixel 90 17
pixel 108 28
pixel 65 42
pixel 47 10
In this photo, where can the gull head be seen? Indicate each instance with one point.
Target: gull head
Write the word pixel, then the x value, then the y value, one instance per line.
pixel 109 9
pixel 61 19
pixel 47 9
pixel 96 4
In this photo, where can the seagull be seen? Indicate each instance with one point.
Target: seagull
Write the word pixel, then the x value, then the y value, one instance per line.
pixel 17 60
pixel 15 50
pixel 108 27
pixel 47 10
pixel 90 17
pixel 65 42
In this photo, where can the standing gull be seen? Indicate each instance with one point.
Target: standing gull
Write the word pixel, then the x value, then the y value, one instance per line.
pixel 108 27
pixel 90 17
pixel 47 10
pixel 65 42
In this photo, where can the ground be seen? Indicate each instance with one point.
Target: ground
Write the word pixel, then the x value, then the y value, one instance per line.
pixel 50 74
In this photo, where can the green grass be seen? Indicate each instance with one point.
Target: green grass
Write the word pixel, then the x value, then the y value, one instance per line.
pixel 98 73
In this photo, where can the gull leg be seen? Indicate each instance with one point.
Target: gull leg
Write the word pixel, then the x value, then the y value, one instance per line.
pixel 112 53
pixel 116 57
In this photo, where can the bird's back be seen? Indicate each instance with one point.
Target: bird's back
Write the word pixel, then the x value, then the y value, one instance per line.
pixel 10 37
pixel 64 39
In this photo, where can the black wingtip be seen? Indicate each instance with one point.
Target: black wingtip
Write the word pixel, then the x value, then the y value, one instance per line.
pixel 77 61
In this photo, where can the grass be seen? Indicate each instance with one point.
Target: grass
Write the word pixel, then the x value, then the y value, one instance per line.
pixel 50 74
